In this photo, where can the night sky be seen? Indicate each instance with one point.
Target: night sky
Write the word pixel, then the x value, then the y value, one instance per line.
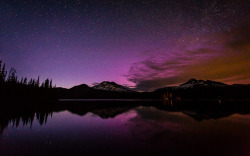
pixel 142 43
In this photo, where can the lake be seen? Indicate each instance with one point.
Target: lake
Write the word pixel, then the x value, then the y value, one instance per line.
pixel 132 129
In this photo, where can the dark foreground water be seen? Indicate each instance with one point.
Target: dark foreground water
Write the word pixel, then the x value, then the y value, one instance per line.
pixel 160 129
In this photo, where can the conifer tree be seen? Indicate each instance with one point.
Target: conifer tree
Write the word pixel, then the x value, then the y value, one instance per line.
pixel 50 84
pixel 42 85
pixel 46 83
pixel 3 73
pixel 25 81
pixel 21 80
pixel 1 81
pixel 12 78
pixel 31 82
pixel 0 67
pixel 38 82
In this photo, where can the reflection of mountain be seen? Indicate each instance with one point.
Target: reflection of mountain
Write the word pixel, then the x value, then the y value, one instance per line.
pixel 108 112
pixel 102 112
pixel 212 109
pixel 194 109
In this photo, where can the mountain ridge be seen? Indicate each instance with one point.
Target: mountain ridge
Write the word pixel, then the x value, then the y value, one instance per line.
pixel 114 87
pixel 191 89
pixel 111 86
pixel 194 83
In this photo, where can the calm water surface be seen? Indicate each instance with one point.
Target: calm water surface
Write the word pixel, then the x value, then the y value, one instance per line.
pixel 136 131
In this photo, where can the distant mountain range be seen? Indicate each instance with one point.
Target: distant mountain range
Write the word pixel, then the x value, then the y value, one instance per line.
pixel 191 89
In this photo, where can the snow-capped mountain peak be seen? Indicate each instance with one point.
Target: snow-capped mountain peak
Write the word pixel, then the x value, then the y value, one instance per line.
pixel 111 86
pixel 201 83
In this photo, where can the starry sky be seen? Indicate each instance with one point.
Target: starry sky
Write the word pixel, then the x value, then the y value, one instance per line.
pixel 146 44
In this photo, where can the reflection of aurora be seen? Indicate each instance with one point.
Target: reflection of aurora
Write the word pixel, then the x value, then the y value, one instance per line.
pixel 199 110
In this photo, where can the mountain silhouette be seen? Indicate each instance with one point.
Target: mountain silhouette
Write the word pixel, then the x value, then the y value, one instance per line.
pixel 191 89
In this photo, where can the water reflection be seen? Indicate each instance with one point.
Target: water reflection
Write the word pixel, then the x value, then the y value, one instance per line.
pixel 22 118
pixel 177 134
pixel 198 110
pixel 76 128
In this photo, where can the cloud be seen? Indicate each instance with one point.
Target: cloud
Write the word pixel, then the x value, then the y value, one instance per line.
pixel 221 57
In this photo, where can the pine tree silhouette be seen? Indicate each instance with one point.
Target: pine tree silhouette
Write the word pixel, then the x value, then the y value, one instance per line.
pixel 50 84
pixel 46 83
pixel 42 85
pixel 33 82
pixel 0 67
pixel 38 82
pixel 21 82
pixel 30 82
pixel 11 86
pixel 3 72
pixel 25 81
pixel 12 78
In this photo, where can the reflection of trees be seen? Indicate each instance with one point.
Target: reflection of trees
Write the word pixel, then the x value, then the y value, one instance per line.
pixel 198 110
pixel 206 109
pixel 26 119
pixel 42 117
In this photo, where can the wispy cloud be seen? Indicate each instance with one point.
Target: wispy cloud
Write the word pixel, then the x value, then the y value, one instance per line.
pixel 223 56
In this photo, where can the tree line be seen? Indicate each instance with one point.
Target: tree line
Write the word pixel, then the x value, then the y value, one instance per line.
pixel 10 78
